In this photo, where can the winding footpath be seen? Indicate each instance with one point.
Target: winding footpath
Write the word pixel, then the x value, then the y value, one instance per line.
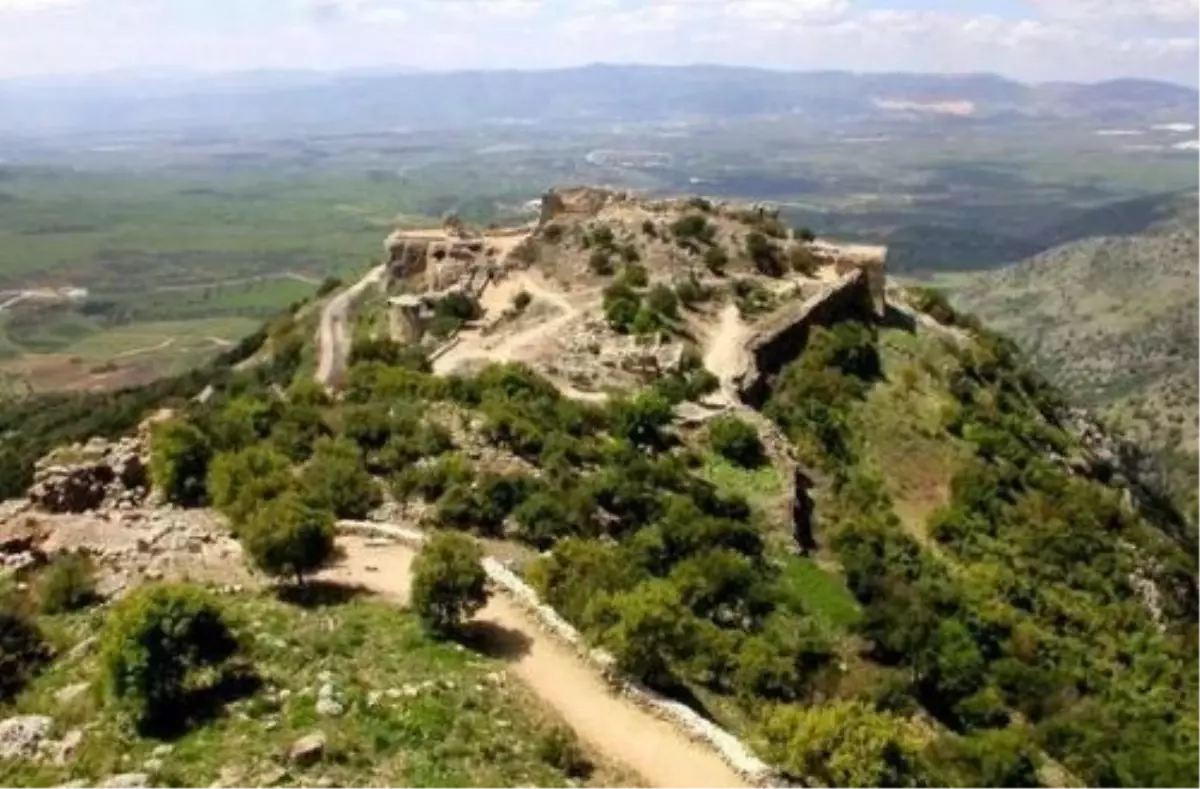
pixel 617 728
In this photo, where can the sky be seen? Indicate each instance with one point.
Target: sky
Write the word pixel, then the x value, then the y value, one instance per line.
pixel 1032 40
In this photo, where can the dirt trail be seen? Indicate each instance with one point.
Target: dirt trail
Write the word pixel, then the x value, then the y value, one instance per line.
pixel 725 356
pixel 510 348
pixel 617 728
pixel 333 339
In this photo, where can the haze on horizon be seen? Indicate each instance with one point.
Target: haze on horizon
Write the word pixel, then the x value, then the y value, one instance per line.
pixel 1031 40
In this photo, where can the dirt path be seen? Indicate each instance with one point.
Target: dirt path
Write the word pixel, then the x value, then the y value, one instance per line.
pixel 510 348
pixel 725 356
pixel 333 339
pixel 618 729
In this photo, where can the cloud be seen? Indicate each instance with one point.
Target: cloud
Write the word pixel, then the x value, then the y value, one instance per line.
pixel 1039 40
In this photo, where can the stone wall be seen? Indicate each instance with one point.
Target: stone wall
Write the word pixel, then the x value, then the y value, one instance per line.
pixel 731 750
pixel 783 337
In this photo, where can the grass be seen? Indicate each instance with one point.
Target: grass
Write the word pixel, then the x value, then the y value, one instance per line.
pixel 808 588
pixel 762 486
pixel 464 724
pixel 138 336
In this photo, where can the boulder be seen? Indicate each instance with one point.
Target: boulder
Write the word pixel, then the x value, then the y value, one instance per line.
pixel 24 736
pixel 125 781
pixel 308 749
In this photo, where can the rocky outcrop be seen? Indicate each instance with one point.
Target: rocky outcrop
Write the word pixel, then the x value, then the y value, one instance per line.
pixel 578 201
pixel 784 335
pixel 98 474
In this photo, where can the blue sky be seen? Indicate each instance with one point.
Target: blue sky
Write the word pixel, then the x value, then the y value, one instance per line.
pixel 1027 39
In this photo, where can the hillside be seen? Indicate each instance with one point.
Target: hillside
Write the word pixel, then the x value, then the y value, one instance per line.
pixel 815 527
pixel 1112 319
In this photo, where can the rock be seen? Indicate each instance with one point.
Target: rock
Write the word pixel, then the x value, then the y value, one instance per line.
pixel 67 746
pixel 272 776
pixel 325 677
pixel 325 691
pixel 152 765
pixel 71 692
pixel 21 737
pixel 308 749
pixel 125 781
pixel 373 698
pixel 160 751
pixel 329 708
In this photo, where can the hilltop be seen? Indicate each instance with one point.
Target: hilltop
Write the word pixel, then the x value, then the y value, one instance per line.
pixel 814 526
pixel 1112 319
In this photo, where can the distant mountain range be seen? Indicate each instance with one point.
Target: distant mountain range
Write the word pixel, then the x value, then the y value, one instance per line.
pixel 363 100
pixel 1113 319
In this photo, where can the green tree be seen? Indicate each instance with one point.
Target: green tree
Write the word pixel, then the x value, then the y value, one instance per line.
pixel 241 482
pixel 155 639
pixel 335 479
pixel 737 441
pixel 641 419
pixel 844 743
pixel 179 457
pixel 448 584
pixel 648 630
pixel 288 538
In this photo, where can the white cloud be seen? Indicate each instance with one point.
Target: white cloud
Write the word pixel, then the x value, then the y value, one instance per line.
pixel 32 6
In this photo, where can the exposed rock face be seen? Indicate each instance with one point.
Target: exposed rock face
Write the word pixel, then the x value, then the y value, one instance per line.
pixel 785 334
pixel 24 736
pixel 90 476
pixel 582 201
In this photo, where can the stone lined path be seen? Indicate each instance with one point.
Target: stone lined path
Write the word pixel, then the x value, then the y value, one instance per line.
pixel 615 727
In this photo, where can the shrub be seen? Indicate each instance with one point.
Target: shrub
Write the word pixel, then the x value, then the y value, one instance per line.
pixel 337 480
pixel 802 260
pixel 690 292
pixel 448 582
pixel 693 227
pixel 736 441
pixel 328 285
pixel 646 321
pixel 635 276
pixel 640 420
pixel 700 204
pixel 552 233
pixel 603 237
pixel 389 352
pixel 240 482
pixel 650 630
pixel 67 584
pixel 179 458
pixel 629 254
pixel 600 263
pixel 621 313
pixel 484 506
pixel 155 639
pixel 430 481
pixel 662 301
pixel 559 748
pixel 521 300
pixel 649 228
pixel 23 653
pixel 805 234
pixel 716 260
pixel 764 254
pixel 288 538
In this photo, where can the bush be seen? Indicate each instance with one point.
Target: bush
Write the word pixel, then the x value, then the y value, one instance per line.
pixel 802 260
pixel 67 584
pixel 662 301
pixel 328 285
pixel 764 255
pixel 805 234
pixel 621 313
pixel 389 352
pixel 635 276
pixel 23 653
pixel 629 254
pixel 521 300
pixel 640 420
pixel 179 458
pixel 700 203
pixel 552 233
pixel 288 538
pixel 603 237
pixel 600 263
pixel 716 260
pixel 430 481
pixel 693 227
pixel 736 441
pixel 483 506
pixel 337 480
pixel 448 582
pixel 649 228
pixel 241 482
pixel 155 639
pixel 559 748
pixel 650 630
pixel 690 292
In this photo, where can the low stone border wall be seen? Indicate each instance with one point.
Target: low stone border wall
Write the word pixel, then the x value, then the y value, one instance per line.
pixel 731 750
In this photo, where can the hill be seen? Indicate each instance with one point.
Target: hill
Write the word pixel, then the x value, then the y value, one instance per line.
pixel 585 94
pixel 1112 319
pixel 726 462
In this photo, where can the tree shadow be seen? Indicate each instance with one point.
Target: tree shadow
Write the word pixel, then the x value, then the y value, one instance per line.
pixel 319 593
pixel 494 640
pixel 894 318
pixel 202 704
